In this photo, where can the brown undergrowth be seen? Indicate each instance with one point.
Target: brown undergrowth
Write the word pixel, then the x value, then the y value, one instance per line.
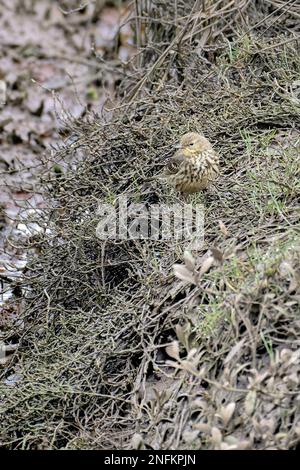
pixel 119 349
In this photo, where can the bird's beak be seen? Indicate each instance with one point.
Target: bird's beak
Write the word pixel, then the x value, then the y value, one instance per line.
pixel 178 146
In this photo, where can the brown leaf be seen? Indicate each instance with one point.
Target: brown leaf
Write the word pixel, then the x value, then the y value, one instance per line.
pixel 234 351
pixel 293 285
pixel 182 335
pixel 173 350
pixel 183 273
pixel 223 228
pixel 250 402
pixel 203 427
pixel 207 264
pixel 189 260
pixel 226 412
pixel 192 353
pixel 225 446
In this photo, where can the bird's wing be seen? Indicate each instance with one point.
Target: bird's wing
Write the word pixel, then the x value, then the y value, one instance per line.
pixel 173 165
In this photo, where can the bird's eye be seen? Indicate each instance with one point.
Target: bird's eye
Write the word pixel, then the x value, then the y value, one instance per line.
pixel 191 144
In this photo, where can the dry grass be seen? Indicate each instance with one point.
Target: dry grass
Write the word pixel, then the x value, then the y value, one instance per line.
pixel 115 352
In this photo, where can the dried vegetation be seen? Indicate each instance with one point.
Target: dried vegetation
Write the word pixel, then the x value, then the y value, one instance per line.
pixel 117 347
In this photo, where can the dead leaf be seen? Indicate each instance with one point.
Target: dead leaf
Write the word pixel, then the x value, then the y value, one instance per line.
pixel 226 413
pixel 223 228
pixel 192 353
pixel 207 264
pixel 173 350
pixel 183 334
pixel 234 351
pixel 203 427
pixel 183 273
pixel 250 402
pixel 189 260
pixel 293 285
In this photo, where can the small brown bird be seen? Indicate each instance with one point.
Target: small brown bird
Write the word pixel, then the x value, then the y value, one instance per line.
pixel 194 166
